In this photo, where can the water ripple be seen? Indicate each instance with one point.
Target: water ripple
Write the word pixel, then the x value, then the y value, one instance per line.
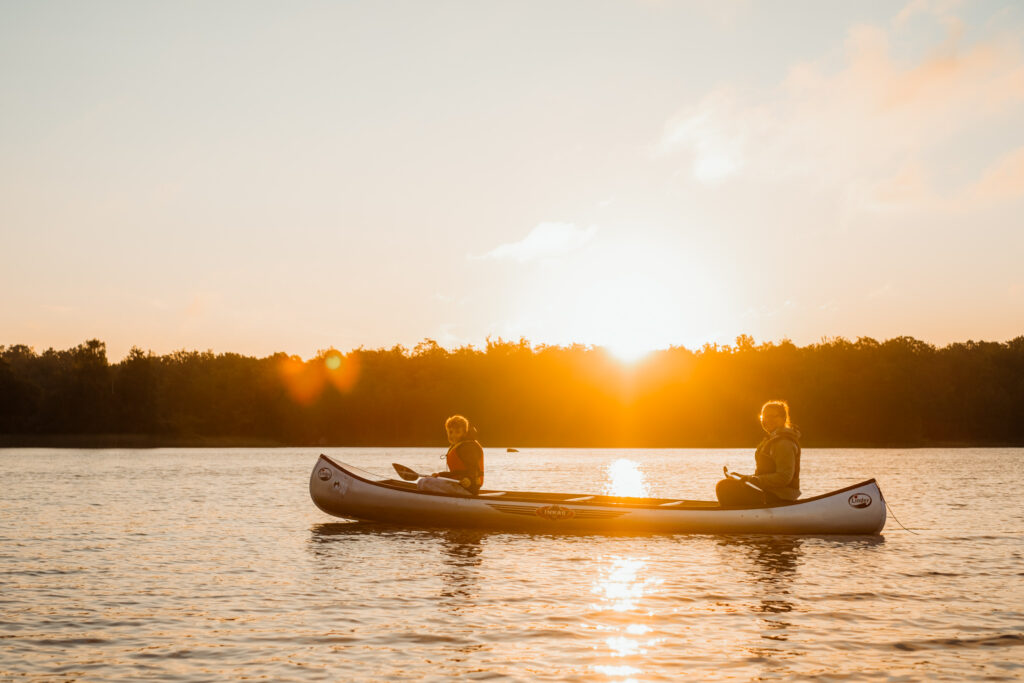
pixel 212 565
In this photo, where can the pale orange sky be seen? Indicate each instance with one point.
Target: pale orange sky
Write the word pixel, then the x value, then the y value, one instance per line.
pixel 259 177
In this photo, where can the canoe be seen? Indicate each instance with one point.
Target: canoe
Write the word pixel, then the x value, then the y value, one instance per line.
pixel 348 492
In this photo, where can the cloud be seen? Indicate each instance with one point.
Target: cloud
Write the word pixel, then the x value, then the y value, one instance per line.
pixel 908 186
pixel 1003 180
pixel 713 132
pixel 546 240
pixel 870 121
pixel 942 10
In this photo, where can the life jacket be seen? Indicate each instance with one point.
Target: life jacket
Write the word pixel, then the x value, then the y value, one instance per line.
pixel 766 464
pixel 456 464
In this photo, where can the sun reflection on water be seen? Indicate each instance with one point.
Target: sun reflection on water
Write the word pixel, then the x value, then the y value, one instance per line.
pixel 626 479
pixel 618 671
pixel 624 586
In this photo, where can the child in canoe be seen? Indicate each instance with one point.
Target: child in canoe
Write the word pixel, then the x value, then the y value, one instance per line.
pixel 464 459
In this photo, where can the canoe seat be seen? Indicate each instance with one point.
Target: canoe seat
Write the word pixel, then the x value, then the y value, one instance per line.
pixel 577 500
pixel 668 505
pixel 491 494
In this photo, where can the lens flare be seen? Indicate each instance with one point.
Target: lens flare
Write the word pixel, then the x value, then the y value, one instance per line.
pixel 342 371
pixel 305 382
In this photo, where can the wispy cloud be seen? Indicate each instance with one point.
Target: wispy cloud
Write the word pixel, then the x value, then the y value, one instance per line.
pixel 943 10
pixel 871 119
pixel 714 132
pixel 1003 180
pixel 546 240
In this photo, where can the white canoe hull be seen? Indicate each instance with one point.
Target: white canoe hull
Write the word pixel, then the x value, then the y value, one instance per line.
pixel 339 491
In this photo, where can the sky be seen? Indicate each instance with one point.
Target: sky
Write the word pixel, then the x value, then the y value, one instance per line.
pixel 256 177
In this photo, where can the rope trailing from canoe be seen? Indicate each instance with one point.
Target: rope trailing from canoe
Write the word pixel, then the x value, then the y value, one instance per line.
pixel 889 507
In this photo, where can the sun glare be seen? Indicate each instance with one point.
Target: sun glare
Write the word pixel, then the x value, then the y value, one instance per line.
pixel 625 315
pixel 626 479
pixel 629 351
pixel 631 292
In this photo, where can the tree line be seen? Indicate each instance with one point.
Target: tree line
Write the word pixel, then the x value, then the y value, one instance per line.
pixel 899 392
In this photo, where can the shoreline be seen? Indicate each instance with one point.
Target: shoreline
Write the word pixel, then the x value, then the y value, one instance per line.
pixel 153 441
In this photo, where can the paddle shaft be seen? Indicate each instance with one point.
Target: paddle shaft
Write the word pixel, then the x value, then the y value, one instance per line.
pixel 733 475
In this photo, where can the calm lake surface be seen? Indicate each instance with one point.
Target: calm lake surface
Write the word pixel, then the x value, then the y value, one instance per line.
pixel 194 564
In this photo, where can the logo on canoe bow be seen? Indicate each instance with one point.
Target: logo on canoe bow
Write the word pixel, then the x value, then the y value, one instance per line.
pixel 324 473
pixel 860 500
pixel 555 513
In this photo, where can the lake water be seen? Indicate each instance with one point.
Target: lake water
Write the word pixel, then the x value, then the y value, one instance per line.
pixel 191 564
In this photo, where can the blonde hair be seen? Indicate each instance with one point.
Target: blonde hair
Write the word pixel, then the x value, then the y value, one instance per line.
pixel 457 420
pixel 778 406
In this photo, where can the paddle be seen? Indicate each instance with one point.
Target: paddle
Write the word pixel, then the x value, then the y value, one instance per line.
pixel 737 477
pixel 406 473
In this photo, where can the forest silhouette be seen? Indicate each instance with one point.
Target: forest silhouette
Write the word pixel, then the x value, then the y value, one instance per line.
pixel 900 392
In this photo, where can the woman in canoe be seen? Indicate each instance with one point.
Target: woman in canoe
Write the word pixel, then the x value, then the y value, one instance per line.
pixel 464 459
pixel 777 463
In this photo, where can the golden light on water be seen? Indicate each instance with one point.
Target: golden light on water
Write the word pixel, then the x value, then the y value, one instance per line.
pixel 619 671
pixel 626 479
pixel 623 586
pixel 621 646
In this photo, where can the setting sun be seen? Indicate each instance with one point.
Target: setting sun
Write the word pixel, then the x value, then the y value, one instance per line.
pixel 627 314
pixel 622 293
pixel 629 352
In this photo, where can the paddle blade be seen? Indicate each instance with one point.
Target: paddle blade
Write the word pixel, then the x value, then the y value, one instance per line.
pixel 405 473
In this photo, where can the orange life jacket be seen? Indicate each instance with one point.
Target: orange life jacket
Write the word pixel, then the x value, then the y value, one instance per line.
pixel 456 464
